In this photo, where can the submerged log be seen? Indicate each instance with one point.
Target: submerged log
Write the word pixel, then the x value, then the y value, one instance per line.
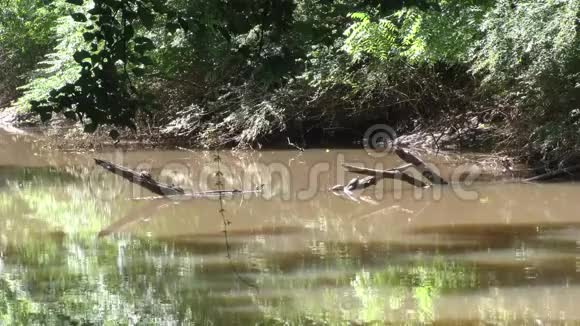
pixel 395 174
pixel 164 190
pixel 142 179
pixel 420 165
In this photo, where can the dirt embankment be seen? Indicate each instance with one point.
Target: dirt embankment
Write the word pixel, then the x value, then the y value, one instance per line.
pixel 64 135
pixel 470 136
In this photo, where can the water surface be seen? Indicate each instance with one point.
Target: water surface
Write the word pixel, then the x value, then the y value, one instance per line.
pixel 298 254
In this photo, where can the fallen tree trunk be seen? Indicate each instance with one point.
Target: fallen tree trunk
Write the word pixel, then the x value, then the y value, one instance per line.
pixel 395 174
pixel 427 173
pixel 163 190
pixel 142 179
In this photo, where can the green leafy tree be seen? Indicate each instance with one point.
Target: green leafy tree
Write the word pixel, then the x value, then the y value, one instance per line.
pixel 530 55
pixel 116 53
pixel 25 36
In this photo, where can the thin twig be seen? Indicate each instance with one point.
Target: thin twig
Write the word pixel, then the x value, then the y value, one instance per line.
pixel 294 145
pixel 226 223
pixel 436 140
pixel 203 194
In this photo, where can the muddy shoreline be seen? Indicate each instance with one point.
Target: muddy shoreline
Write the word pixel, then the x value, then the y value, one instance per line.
pixel 69 136
pixel 490 167
pixel 471 144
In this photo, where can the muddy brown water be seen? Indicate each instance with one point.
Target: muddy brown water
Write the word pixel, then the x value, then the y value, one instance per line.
pixel 485 253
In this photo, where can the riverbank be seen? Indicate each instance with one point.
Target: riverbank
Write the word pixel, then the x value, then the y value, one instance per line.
pixel 473 136
pixel 439 146
pixel 476 138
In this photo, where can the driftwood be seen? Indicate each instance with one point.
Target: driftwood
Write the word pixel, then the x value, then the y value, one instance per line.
pixel 359 184
pixel 427 173
pixel 388 174
pixel 145 180
pixel 163 190
pixel 397 174
pixel 141 178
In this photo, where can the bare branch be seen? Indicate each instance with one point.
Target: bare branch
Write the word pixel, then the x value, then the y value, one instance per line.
pixel 144 180
pixel 421 166
pixel 554 174
pixel 395 174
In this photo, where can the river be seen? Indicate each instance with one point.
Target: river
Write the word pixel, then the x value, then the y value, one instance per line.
pixel 80 246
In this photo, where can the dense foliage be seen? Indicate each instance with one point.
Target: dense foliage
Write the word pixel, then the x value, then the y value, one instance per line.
pixel 241 72
pixel 25 36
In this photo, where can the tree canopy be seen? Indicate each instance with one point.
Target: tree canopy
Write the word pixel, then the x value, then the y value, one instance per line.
pixel 233 71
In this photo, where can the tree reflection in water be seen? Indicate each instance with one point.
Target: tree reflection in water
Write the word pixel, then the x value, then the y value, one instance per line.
pixel 322 263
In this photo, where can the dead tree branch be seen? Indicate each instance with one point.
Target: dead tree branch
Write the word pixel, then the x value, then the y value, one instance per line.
pixel 165 191
pixel 564 172
pixel 420 165
pixel 142 179
pixel 395 174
